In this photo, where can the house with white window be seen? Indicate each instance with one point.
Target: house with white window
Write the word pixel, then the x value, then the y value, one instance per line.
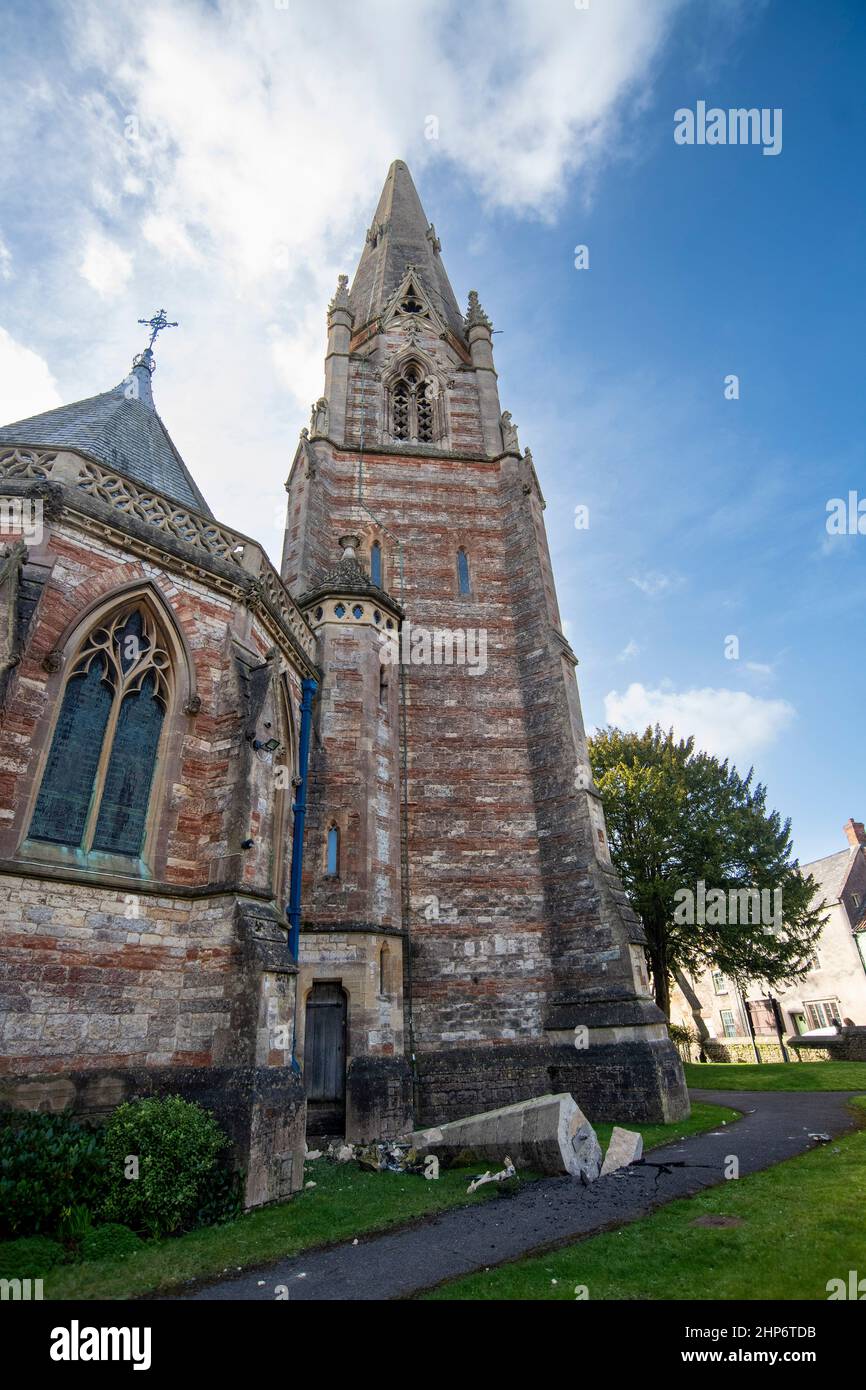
pixel 725 1020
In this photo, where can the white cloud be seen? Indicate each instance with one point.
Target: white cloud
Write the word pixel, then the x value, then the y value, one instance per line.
pixel 170 238
pixel 239 153
pixel 760 668
pixel 727 723
pixel 26 384
pixel 653 583
pixel 5 261
pixel 105 266
pixel 629 651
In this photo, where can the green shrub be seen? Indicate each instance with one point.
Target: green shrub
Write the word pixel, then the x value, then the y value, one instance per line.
pixel 30 1257
pixel 176 1143
pixel 111 1242
pixel 48 1164
pixel 224 1199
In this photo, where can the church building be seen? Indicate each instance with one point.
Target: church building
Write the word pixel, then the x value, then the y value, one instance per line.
pixel 319 848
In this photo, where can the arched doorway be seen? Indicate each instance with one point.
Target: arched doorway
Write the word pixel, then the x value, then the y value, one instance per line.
pixel 325 1059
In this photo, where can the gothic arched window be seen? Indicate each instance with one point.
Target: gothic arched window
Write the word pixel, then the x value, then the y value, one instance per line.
pixel 96 786
pixel 332 860
pixel 376 563
pixel 413 402
pixel 463 572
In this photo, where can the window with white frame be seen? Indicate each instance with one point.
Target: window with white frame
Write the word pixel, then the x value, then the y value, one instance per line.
pixel 822 1013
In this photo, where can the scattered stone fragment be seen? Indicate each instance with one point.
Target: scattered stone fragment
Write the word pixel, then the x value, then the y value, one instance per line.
pixel 312 1154
pixel 508 1171
pixel 820 1138
pixel 309 1184
pixel 625 1147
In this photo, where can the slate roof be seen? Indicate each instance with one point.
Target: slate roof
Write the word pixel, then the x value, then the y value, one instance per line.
pixel 405 240
pixel 830 873
pixel 118 432
pixel 348 578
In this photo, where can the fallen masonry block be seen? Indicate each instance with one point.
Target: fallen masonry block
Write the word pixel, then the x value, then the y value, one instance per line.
pixel 625 1147
pixel 550 1134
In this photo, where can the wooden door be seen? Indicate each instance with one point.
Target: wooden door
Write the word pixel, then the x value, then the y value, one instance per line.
pixel 325 1059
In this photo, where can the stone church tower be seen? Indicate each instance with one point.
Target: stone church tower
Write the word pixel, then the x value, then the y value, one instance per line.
pixel 447 934
pixel 466 942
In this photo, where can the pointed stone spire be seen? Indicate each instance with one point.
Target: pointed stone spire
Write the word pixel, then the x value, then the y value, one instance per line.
pixel 341 296
pixel 475 315
pixel 401 234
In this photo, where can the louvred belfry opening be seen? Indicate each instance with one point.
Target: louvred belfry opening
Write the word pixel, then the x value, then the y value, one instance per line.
pixel 412 414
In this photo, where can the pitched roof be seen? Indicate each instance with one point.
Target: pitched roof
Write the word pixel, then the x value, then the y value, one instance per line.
pixel 401 235
pixel 119 429
pixel 830 873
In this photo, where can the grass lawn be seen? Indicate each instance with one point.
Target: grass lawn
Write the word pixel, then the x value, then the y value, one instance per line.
pixel 346 1202
pixel 777 1076
pixel 802 1224
pixel 702 1118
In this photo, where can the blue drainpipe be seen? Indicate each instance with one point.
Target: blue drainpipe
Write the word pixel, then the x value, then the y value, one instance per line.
pixel 293 909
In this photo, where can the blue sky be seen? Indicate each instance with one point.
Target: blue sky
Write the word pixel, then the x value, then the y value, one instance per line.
pixel 224 160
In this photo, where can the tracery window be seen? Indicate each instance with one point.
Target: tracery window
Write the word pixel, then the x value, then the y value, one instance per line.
pixel 97 782
pixel 413 399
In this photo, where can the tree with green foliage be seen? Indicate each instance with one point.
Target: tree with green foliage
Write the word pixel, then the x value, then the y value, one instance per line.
pixel 682 823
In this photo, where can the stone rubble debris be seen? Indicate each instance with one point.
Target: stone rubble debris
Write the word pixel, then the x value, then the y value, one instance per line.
pixel 377 1157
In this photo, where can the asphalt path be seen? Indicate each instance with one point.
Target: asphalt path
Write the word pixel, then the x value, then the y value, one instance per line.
pixel 775 1125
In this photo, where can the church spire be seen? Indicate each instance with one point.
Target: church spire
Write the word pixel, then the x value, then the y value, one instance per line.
pixel 401 235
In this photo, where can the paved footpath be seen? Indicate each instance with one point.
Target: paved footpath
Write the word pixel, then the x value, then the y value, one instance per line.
pixel 775 1126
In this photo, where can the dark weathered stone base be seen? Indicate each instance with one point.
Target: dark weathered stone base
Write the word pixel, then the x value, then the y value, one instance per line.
pixel 262 1109
pixel 641 1081
pixel 378 1098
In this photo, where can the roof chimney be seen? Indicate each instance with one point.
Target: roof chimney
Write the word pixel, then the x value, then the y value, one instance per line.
pixel 855 832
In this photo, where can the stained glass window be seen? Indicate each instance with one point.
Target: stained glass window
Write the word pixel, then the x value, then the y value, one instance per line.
pixel 67 786
pixel 123 809
pixel 97 782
